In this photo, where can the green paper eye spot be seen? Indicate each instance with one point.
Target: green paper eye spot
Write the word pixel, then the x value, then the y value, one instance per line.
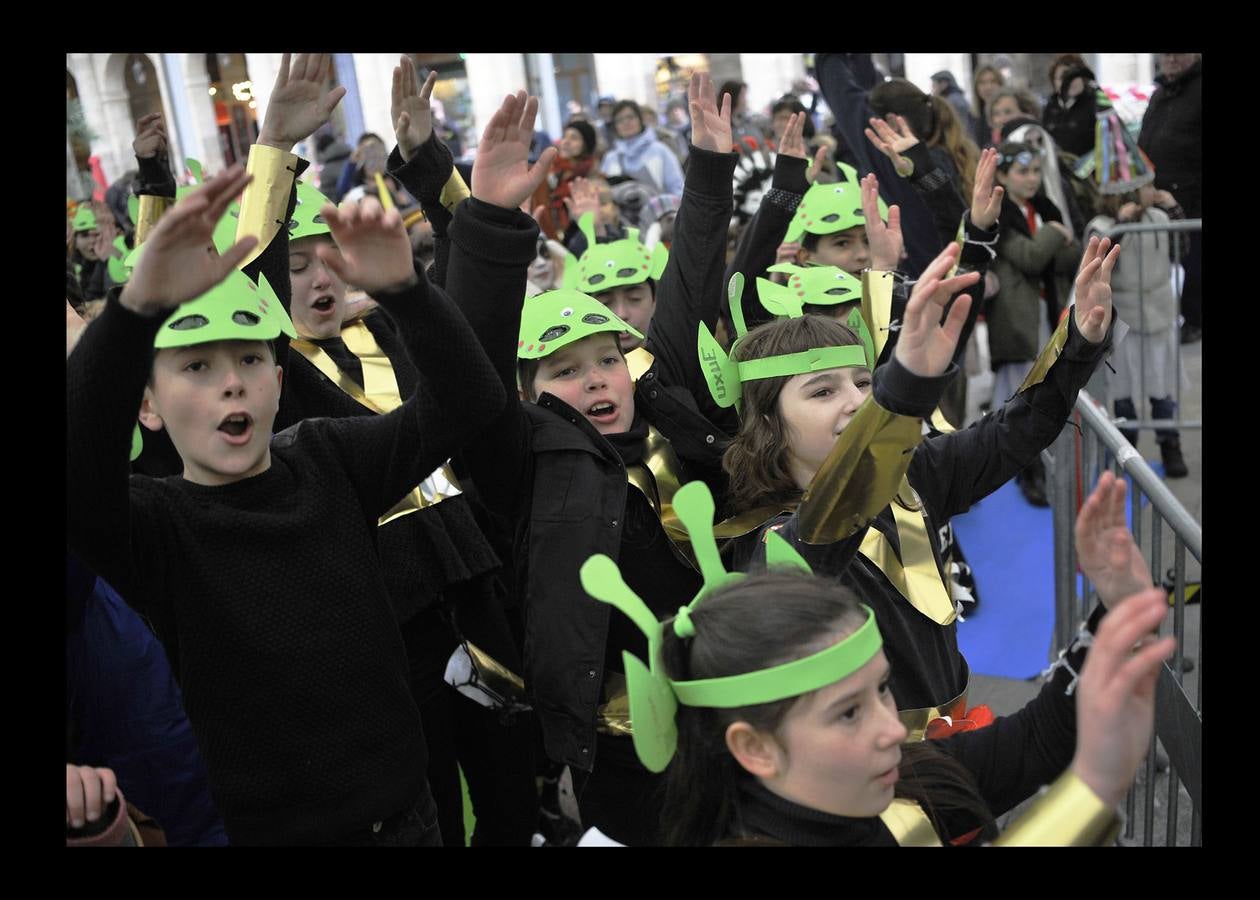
pixel 241 317
pixel 595 279
pixel 189 323
pixel 552 333
pixel 595 319
pixel 626 273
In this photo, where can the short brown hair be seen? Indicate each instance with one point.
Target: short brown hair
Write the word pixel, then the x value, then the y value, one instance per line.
pixel 756 460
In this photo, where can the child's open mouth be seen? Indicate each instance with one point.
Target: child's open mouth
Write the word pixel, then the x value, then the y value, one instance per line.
pixel 603 412
pixel 324 305
pixel 237 428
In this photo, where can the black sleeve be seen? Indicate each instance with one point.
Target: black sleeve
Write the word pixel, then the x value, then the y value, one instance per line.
pixel 1015 756
pixel 847 99
pixel 105 379
pixel 153 177
pixel 424 176
pixel 937 189
pixel 491 249
pixel 953 471
pixel 761 239
pixel 456 392
pixel 691 289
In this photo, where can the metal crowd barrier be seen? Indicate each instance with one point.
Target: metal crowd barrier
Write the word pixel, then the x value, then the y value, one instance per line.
pixel 1141 396
pixel 1073 464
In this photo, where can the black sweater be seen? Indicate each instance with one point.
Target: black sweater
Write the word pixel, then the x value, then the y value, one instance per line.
pixel 267 593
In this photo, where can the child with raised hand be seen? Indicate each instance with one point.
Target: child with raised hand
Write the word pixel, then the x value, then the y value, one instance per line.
pixel 788 469
pixel 778 721
pixel 591 462
pixel 257 566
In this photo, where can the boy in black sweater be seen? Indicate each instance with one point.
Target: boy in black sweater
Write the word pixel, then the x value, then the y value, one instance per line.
pixel 258 567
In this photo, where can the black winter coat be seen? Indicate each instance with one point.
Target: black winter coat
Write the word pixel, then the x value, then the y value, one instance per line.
pixel 1172 136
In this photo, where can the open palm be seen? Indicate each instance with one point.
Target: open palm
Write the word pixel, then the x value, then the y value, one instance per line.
pixel 925 346
pixel 409 108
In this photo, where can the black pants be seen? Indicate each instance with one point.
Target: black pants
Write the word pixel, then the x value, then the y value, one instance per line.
pixel 1192 291
pixel 620 797
pixel 495 753
pixel 1161 408
pixel 416 826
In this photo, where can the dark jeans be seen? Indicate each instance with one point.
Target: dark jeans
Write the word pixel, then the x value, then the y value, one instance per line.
pixel 1161 408
pixel 1192 291
pixel 416 826
pixel 620 797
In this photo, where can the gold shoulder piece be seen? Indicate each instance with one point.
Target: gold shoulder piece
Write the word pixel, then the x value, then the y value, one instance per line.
pixel 877 288
pixel 860 475
pixel 940 422
pixel 267 197
pixel 454 191
pixel 639 361
pixel 151 209
pixel 1068 814
pixel 1049 353
pixel 909 824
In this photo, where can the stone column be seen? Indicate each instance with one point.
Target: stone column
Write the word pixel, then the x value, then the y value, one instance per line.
pixel 491 76
pixel 204 145
pixel 769 76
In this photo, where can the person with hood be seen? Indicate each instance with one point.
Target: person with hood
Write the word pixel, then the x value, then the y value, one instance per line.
pixel 946 87
pixel 637 153
pixel 575 160
pixel 1172 136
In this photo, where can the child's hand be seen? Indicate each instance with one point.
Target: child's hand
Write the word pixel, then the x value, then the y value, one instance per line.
pixel 926 347
pixel 793 141
pixel 986 200
pixel 1129 212
pixel 1108 555
pixel 298 104
pixel 151 137
pixel 179 262
pixel 1093 289
pixel 886 241
pixel 893 142
pixel 786 253
pixel 710 127
pixel 1115 697
pixel 502 174
pixel 1165 200
pixel 106 232
pixel 1063 230
pixel 409 110
pixel 372 249
pixel 88 792
pixel 583 198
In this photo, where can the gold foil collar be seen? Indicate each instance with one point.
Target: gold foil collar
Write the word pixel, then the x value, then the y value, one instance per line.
pixel 877 290
pixel 639 361
pixel 658 478
pixel 1049 353
pixel 916 720
pixel 1068 814
pixel 859 475
pixel 266 199
pixel 909 824
pixel 454 191
pixel 914 574
pixel 151 209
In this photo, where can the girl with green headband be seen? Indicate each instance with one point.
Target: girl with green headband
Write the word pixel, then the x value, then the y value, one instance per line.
pixel 590 462
pixel 815 459
pixel 777 723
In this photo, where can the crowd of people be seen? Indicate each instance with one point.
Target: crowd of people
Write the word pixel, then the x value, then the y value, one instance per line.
pixel 360 457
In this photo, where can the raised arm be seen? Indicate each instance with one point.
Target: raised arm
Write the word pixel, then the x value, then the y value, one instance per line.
pixel 107 372
pixel 961 468
pixel 456 392
pixel 492 245
pixel 761 244
pixel 691 288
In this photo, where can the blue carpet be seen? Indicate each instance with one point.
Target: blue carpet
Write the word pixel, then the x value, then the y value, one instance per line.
pixel 1010 546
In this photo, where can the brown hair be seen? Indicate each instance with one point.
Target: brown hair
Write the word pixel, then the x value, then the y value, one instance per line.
pixel 1026 102
pixel 933 121
pixel 1071 60
pixel 979 105
pixel 757 459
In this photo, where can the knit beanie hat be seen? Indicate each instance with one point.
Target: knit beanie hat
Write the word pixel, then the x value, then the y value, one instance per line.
pixel 587 131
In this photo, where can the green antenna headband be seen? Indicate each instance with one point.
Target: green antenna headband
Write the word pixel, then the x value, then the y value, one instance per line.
pixel 726 377
pixel 654 698
pixel 614 264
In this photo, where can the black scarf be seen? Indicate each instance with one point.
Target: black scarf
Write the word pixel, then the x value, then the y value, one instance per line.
pixel 629 444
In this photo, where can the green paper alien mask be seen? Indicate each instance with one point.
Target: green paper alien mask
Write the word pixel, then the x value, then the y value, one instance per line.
pixel 558 318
